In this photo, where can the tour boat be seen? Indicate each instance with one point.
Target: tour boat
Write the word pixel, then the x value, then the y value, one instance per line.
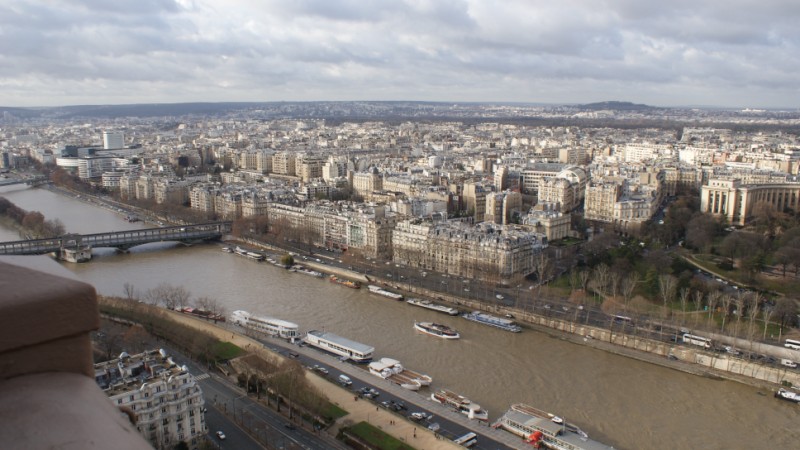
pixel 493 321
pixel 436 329
pixel 460 404
pixel 347 349
pixel 266 325
pixel 433 306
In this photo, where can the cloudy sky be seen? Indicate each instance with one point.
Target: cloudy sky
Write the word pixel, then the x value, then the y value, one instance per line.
pixel 738 53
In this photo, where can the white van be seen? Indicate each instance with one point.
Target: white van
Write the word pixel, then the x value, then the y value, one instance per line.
pixel 344 380
pixel 788 363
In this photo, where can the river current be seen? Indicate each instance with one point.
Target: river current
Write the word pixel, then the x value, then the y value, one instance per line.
pixel 620 401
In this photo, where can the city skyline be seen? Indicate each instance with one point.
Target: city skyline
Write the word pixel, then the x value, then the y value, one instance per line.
pixel 726 54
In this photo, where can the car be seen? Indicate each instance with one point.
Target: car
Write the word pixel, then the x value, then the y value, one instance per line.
pixel 321 370
pixel 732 351
pixel 434 426
pixel 293 354
pixel 368 392
pixel 221 435
pixel 420 416
pixel 290 426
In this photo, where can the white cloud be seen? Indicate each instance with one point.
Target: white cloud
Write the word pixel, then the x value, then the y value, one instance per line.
pixel 734 52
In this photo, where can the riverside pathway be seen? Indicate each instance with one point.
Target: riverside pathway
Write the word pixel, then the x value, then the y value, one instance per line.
pixel 358 410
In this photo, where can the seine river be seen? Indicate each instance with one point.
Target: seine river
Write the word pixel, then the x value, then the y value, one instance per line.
pixel 626 403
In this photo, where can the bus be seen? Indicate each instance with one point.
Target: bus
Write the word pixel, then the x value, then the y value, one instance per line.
pixel 696 340
pixel 467 440
pixel 791 343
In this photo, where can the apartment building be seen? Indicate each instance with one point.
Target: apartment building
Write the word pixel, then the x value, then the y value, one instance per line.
pixel 548 221
pixel 165 397
pixel 484 251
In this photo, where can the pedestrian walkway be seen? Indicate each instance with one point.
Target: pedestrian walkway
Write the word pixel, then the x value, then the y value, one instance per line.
pixel 358 409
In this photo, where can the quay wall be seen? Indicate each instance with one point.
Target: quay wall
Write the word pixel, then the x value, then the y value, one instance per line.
pixel 695 361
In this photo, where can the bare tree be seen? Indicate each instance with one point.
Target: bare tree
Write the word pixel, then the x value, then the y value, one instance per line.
pixel 767 316
pixel 739 301
pixel 714 298
pixel 727 300
pixel 698 302
pixel 130 291
pixel 752 313
pixel 666 286
pixel 628 286
pixel 574 280
pixel 614 279
pixel 684 297
pixel 601 278
pixel 584 276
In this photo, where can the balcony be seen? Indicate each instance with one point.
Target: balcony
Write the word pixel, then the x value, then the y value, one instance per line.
pixel 48 396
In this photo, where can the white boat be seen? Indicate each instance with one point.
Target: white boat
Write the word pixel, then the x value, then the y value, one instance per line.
pixel 306 271
pixel 380 291
pixel 433 306
pixel 391 369
pixel 248 254
pixel 436 329
pixel 266 325
pixel 460 404
pixel 340 346
pixel 541 428
pixel 785 394
pixel 493 321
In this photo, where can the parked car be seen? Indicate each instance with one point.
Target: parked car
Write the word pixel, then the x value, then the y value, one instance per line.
pixel 221 435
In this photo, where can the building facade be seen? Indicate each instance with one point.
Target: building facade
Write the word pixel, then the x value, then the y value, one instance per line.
pixel 166 399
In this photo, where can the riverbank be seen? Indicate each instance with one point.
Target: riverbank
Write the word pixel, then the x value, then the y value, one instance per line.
pixel 650 351
pixel 359 410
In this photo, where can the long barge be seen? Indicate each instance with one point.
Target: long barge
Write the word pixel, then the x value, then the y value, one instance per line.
pixel 380 291
pixel 427 304
pixel 345 348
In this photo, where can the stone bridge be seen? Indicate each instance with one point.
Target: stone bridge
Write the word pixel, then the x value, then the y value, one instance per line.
pixel 77 247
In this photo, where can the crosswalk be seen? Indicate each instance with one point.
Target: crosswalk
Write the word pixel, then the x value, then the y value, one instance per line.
pixel 202 377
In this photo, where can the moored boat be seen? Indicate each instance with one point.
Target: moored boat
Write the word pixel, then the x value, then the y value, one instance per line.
pixel 436 329
pixel 349 283
pixel 541 428
pixel 460 404
pixel 202 313
pixel 427 304
pixel 306 271
pixel 267 325
pixel 785 394
pixel 493 321
pixel 391 369
pixel 380 291
pixel 340 346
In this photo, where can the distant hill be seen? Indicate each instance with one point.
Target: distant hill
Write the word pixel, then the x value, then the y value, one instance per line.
pixel 617 106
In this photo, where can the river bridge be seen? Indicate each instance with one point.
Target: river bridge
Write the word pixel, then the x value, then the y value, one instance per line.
pixel 78 247
pixel 35 181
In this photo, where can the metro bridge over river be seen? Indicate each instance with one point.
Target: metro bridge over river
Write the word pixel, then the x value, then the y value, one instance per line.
pixel 77 247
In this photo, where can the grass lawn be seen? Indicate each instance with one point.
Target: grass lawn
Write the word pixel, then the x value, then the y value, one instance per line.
pixel 377 438
pixel 225 350
pixel 333 412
